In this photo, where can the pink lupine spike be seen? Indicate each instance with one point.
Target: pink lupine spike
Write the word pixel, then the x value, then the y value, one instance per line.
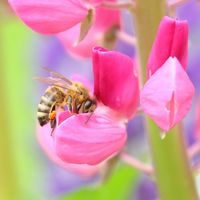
pixel 167 95
pixel 49 17
pixel 115 81
pixel 90 143
pixel 171 40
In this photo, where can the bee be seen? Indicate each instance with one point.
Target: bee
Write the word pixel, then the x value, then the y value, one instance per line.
pixel 61 93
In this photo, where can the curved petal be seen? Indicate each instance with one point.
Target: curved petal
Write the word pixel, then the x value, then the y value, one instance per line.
pixel 47 143
pixel 106 21
pixel 80 142
pixel 48 17
pixel 84 48
pixel 167 95
pixel 171 40
pixel 107 18
pixel 115 81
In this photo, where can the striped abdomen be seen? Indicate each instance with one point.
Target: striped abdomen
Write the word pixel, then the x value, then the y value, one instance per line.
pixel 51 97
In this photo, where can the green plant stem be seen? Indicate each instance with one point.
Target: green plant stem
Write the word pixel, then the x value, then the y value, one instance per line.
pixel 173 173
pixel 9 186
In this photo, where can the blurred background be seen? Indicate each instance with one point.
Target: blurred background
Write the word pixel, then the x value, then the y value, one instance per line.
pixel 25 171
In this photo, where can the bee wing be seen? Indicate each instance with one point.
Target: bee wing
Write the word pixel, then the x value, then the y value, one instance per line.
pixel 52 81
pixel 58 75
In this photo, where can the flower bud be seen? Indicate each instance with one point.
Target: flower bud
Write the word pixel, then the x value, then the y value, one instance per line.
pixel 167 95
pixel 171 40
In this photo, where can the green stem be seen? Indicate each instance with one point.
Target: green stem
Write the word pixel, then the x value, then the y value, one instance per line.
pixel 173 173
pixel 9 185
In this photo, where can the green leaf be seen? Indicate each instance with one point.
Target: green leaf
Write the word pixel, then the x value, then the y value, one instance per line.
pixel 118 187
pixel 85 26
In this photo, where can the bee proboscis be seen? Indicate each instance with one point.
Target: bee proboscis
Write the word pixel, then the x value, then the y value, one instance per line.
pixel 61 93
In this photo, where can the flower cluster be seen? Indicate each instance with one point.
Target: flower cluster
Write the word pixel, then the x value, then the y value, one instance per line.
pixel 69 20
pixel 117 91
pixel 166 96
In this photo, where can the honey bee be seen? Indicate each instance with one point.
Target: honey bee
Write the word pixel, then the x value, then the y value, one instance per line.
pixel 61 93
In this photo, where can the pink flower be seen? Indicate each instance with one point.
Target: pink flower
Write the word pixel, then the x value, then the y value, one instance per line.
pixel 89 143
pixel 47 144
pixel 106 22
pixel 167 95
pixel 49 17
pixel 115 81
pixel 104 135
pixel 66 18
pixel 171 40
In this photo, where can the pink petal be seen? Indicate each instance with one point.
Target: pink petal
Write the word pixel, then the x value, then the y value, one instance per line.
pixel 105 20
pixel 167 95
pixel 80 142
pixel 171 40
pixel 48 17
pixel 48 145
pixel 96 3
pixel 92 2
pixel 115 81
pixel 84 48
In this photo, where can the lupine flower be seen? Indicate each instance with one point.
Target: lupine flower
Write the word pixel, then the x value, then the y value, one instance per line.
pixel 59 16
pixel 49 17
pixel 103 32
pixel 171 41
pixel 47 144
pixel 116 89
pixel 65 18
pixel 167 95
pixel 115 81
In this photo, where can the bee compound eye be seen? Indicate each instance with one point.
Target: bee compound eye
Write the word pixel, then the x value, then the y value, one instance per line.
pixel 87 105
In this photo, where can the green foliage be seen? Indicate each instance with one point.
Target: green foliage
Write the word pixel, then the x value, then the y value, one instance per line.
pixel 17 86
pixel 118 187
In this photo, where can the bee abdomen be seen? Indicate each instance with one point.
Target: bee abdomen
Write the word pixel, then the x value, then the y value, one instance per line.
pixel 43 118
pixel 43 108
pixel 47 99
pixel 51 96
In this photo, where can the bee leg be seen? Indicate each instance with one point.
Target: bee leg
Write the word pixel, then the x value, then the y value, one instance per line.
pixel 69 103
pixel 53 125
pixel 74 107
pixel 52 119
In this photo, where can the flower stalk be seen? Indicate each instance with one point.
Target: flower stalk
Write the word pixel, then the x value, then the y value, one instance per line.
pixel 125 37
pixel 119 5
pixel 172 170
pixel 137 164
pixel 8 179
